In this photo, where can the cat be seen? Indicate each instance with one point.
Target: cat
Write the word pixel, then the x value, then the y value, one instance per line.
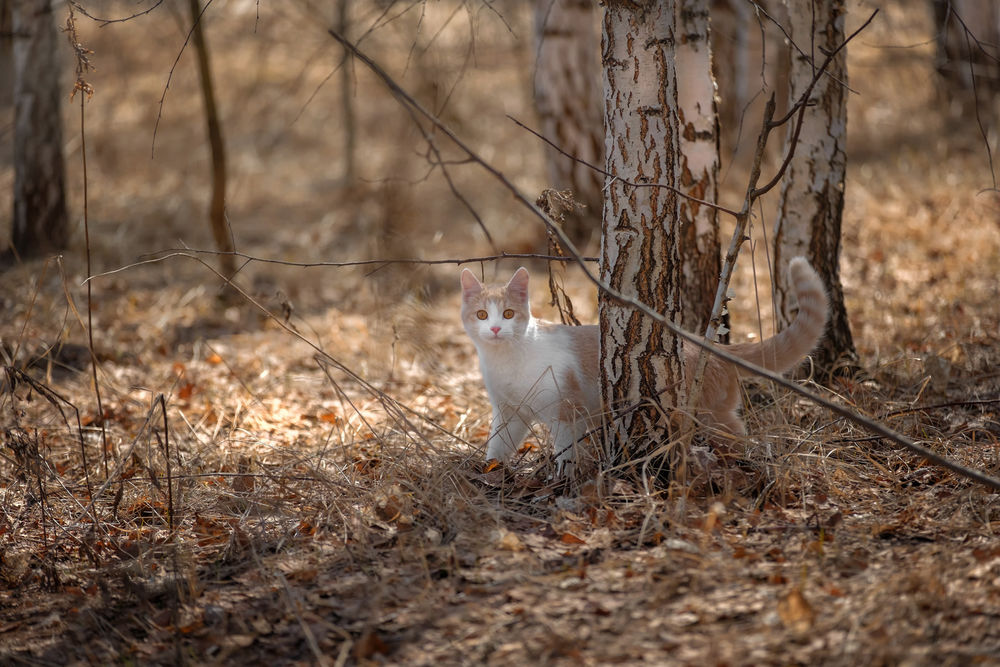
pixel 542 372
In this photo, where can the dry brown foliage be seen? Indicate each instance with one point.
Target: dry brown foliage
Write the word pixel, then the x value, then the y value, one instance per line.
pixel 314 492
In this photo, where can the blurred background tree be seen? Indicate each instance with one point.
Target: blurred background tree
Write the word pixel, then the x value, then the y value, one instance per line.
pixel 40 221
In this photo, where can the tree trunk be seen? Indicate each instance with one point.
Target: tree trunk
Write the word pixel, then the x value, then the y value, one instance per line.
pixel 217 208
pixel 568 101
pixel 812 195
pixel 40 222
pixel 347 100
pixel 699 164
pixel 640 358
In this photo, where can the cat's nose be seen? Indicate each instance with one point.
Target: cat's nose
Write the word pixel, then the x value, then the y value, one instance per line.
pixel 495 330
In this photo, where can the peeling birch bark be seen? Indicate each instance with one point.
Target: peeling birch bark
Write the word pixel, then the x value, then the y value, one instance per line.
pixel 698 124
pixel 640 358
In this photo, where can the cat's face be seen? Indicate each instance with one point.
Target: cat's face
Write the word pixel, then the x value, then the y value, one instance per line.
pixel 495 314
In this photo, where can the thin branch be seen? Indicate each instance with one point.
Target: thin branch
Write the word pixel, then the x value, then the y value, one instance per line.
pixel 192 252
pixel 599 170
pixel 163 97
pixel 104 22
pixel 941 406
pixel 975 93
pixel 82 67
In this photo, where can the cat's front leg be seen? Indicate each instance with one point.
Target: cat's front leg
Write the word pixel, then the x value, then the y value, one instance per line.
pixel 569 442
pixel 507 432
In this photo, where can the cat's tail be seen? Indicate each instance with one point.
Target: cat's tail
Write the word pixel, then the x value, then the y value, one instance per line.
pixel 784 350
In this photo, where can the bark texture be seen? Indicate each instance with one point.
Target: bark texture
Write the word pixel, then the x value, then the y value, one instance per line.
pixel 698 157
pixel 640 358
pixel 40 223
pixel 812 194
pixel 568 100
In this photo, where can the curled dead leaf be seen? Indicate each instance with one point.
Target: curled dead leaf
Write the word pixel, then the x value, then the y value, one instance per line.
pixel 509 541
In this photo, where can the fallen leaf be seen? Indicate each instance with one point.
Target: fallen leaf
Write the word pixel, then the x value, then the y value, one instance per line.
pixel 509 541
pixel 570 538
pixel 369 644
pixel 795 611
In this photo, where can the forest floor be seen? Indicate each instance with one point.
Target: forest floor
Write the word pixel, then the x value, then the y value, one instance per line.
pixel 314 491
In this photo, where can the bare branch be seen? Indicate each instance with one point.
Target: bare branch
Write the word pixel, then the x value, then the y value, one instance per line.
pixel 103 21
pixel 379 263
pixel 599 170
pixel 166 87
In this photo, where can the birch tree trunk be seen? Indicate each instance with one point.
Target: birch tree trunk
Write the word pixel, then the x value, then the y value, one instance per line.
pixel 698 157
pixel 812 195
pixel 40 222
pixel 640 358
pixel 568 101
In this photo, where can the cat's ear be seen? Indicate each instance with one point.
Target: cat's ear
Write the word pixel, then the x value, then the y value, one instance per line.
pixel 471 287
pixel 517 287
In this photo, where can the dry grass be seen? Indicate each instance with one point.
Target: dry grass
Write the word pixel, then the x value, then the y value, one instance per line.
pixel 316 492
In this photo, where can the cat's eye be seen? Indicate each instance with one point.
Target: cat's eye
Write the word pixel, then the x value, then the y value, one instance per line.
pixel 482 314
pixel 508 314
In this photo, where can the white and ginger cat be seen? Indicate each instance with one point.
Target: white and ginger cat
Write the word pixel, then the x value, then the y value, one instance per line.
pixel 537 371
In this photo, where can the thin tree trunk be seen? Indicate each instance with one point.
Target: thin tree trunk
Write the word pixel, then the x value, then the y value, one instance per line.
pixel 40 222
pixel 812 195
pixel 346 99
pixel 217 208
pixel 640 358
pixel 699 164
pixel 568 101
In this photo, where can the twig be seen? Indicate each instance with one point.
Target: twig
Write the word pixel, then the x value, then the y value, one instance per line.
pixel 82 66
pixel 104 22
pixel 163 97
pixel 599 170
pixel 166 457
pixel 192 252
pixel 941 406
pixel 969 38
